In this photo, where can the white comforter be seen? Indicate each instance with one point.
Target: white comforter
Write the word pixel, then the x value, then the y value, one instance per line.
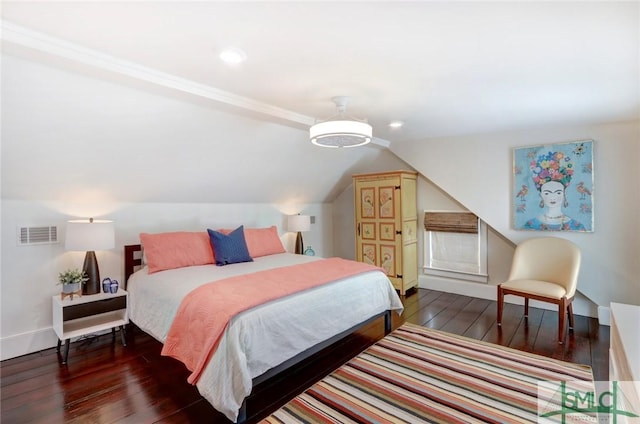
pixel 263 337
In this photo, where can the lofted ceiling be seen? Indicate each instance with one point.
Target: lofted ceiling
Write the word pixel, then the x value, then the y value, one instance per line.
pixel 444 68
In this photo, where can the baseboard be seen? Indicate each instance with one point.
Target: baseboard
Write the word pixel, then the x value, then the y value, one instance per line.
pixel 34 341
pixel 466 288
pixel 25 343
pixel 581 305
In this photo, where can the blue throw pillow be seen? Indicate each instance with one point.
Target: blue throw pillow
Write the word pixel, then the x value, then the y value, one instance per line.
pixel 229 248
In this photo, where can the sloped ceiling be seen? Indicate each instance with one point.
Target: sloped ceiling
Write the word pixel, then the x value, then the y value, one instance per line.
pixel 68 137
pixel 134 91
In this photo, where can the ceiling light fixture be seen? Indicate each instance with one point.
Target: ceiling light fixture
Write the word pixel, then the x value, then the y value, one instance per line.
pixel 233 56
pixel 340 130
pixel 396 124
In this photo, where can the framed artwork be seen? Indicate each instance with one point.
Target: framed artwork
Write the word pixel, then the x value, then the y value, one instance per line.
pixel 553 187
pixel 388 231
pixel 386 201
pixel 387 256
pixel 367 202
pixel 369 253
pixel 368 231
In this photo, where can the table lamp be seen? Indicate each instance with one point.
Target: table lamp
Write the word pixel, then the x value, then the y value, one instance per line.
pixel 299 223
pixel 90 235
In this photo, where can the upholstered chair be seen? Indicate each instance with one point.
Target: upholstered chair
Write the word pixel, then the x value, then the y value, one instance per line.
pixel 544 269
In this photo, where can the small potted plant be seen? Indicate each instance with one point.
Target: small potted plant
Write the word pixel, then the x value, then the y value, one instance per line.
pixel 71 280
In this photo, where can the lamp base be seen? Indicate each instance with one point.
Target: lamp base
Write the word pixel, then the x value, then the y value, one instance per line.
pixel 90 268
pixel 299 245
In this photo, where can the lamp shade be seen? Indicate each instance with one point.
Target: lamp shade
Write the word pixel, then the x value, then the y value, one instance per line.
pixel 299 223
pixel 89 235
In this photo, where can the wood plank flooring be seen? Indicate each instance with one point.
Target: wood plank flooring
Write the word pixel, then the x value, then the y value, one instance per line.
pixel 107 383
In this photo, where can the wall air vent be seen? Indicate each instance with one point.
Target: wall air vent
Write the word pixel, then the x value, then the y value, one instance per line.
pixel 37 235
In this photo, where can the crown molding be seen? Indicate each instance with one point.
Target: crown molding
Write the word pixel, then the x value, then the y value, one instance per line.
pixel 30 39
pixel 381 142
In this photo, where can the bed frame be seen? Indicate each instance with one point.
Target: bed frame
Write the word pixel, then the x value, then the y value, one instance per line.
pixel 133 262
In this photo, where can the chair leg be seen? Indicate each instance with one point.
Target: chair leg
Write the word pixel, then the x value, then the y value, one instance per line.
pixel 500 305
pixel 526 307
pixel 562 318
pixel 570 310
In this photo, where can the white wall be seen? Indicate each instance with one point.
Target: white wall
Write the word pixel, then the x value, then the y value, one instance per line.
pixel 476 171
pixel 28 274
pixel 344 224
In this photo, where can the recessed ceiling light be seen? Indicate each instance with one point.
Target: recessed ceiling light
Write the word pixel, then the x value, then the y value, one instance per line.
pixel 233 55
pixel 396 124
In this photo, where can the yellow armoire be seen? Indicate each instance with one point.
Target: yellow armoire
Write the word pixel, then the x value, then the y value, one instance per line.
pixel 387 223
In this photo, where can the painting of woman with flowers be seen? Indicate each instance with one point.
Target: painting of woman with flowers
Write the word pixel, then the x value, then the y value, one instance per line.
pixel 553 187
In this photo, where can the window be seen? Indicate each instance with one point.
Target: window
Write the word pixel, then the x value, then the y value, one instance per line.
pixel 455 246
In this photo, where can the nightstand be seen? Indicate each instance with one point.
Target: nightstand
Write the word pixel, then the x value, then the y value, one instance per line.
pixel 89 314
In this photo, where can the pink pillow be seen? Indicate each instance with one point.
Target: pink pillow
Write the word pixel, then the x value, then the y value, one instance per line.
pixel 176 250
pixel 261 241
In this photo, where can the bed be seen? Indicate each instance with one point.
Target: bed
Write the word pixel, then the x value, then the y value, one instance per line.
pixel 260 342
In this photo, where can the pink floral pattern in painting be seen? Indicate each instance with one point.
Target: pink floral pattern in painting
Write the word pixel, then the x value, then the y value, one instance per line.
pixel 387 256
pixel 368 231
pixel 367 196
pixel 369 254
pixel 387 231
pixel 386 202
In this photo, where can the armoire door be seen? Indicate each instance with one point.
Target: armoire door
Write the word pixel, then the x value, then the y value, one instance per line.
pixel 378 225
pixel 386 225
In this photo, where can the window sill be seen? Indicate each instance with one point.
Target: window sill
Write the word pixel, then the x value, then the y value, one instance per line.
pixel 477 278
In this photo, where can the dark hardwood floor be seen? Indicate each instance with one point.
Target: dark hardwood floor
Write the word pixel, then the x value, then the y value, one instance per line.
pixel 105 382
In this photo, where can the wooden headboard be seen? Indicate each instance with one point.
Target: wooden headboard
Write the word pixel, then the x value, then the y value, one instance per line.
pixel 132 260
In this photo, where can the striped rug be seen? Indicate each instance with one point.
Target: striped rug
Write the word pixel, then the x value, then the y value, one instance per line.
pixel 416 375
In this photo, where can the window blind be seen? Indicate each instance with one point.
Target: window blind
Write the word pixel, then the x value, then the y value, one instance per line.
pixel 451 222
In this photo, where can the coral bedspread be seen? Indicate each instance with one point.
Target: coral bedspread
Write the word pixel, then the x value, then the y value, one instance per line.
pixel 205 313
